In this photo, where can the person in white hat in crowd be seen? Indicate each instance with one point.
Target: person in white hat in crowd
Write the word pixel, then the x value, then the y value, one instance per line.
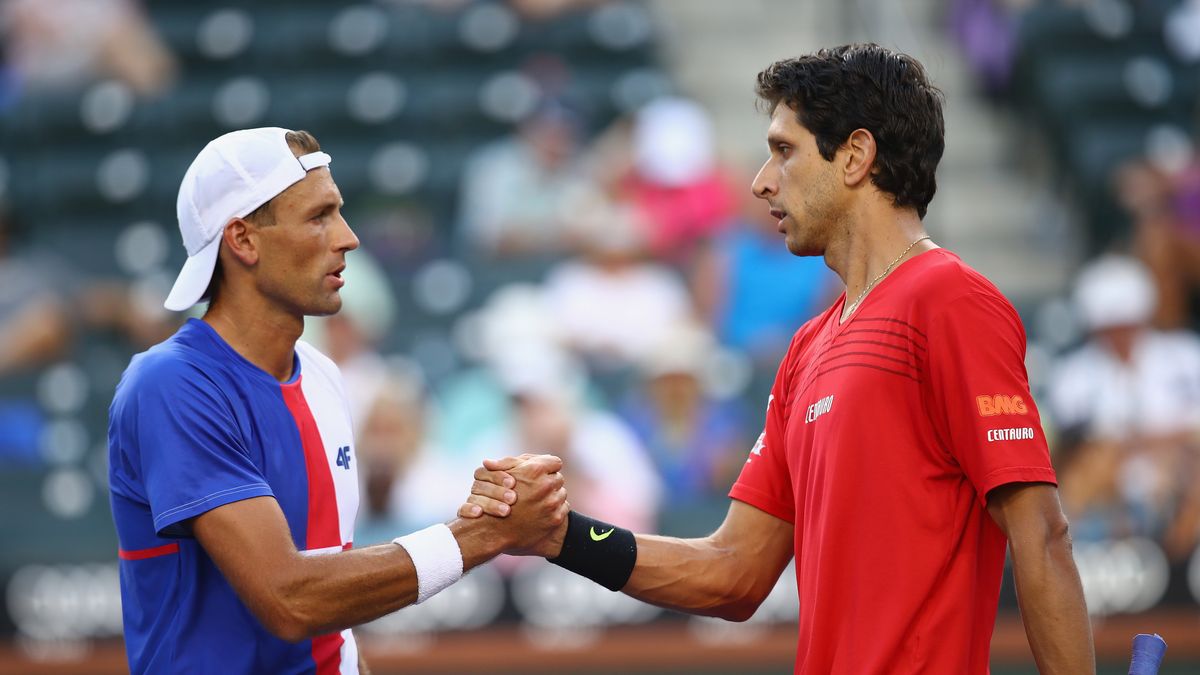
pixel 694 438
pixel 609 470
pixel 1127 407
pixel 233 466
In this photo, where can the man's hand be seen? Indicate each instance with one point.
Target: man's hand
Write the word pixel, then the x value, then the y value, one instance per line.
pixel 492 492
pixel 541 506
pixel 496 488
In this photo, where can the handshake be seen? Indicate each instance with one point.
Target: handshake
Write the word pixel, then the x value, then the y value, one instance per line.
pixel 522 503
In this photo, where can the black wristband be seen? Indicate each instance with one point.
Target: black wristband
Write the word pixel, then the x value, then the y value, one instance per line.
pixel 601 552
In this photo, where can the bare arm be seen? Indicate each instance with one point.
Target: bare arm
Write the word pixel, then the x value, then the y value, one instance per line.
pixel 1048 588
pixel 726 574
pixel 297 596
pixel 38 334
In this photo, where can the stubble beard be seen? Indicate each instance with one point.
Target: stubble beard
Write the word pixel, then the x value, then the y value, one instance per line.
pixel 812 237
pixel 821 218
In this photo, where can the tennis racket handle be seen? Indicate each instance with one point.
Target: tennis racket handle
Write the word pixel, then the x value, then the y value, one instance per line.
pixel 1148 652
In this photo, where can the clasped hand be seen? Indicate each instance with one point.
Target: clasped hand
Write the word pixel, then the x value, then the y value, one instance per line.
pixel 526 497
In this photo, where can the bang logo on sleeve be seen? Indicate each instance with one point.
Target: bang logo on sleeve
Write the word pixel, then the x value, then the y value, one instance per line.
pixel 1000 404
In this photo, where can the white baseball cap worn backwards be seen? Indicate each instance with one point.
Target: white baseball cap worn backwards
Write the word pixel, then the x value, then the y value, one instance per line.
pixel 232 176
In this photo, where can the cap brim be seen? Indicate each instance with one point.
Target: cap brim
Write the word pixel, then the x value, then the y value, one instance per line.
pixel 193 278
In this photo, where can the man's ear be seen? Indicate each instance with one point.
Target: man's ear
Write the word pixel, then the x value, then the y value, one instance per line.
pixel 859 160
pixel 241 242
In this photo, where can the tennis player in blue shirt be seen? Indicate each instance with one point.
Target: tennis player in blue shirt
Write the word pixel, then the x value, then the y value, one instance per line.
pixel 233 473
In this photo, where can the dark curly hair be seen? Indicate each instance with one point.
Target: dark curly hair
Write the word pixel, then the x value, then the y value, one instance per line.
pixel 865 86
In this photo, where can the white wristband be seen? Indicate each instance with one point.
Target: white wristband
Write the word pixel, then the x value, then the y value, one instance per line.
pixel 436 556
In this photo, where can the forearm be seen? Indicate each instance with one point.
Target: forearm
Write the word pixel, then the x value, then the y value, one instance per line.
pixel 1052 606
pixel 327 593
pixel 698 576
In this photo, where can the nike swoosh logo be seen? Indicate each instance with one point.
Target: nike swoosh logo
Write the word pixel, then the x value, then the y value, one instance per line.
pixel 599 537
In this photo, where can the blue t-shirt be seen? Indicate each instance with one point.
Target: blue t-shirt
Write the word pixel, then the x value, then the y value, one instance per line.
pixel 194 426
pixel 769 292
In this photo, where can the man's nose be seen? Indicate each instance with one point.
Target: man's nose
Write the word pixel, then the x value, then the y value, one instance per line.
pixel 763 185
pixel 348 241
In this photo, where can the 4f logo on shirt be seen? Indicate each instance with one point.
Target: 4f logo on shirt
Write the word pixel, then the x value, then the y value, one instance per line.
pixel 343 458
pixel 819 408
pixel 990 406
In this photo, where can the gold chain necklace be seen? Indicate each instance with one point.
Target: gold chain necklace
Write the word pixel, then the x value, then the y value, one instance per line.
pixel 853 306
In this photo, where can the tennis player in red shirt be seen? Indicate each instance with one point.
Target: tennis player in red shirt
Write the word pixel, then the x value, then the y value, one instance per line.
pixel 902 450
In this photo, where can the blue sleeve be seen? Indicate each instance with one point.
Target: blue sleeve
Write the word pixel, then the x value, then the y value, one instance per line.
pixel 186 444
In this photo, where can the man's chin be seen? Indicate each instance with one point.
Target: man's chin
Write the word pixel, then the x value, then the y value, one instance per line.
pixel 802 248
pixel 328 307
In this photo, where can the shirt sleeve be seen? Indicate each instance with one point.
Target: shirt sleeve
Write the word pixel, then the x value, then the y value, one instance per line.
pixel 978 393
pixel 188 449
pixel 765 481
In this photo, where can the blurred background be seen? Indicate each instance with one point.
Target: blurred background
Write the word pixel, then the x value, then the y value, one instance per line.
pixel 561 254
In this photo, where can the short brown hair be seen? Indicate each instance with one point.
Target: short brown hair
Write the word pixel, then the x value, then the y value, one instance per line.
pixel 301 142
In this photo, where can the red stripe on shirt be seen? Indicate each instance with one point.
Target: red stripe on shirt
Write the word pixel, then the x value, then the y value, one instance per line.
pixel 323 527
pixel 327 653
pixel 143 553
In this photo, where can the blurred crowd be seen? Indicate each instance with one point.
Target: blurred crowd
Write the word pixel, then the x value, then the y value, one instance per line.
pixel 1106 83
pixel 644 302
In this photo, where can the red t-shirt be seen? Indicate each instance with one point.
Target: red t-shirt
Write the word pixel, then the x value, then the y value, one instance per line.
pixel 883 437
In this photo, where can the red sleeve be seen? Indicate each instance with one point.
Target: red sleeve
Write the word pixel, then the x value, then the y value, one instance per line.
pixel 978 394
pixel 765 482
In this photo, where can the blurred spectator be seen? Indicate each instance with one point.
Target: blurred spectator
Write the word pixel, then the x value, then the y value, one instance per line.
pixel 519 194
pixel 1127 404
pixel 1165 209
pixel 35 331
pixel 697 443
pixel 44 307
pixel 35 305
pixel 408 483
pixel 607 470
pixel 665 166
pixel 986 32
pixel 613 305
pixel 753 292
pixel 352 336
pixel 405 478
pixel 67 43
pixel 473 401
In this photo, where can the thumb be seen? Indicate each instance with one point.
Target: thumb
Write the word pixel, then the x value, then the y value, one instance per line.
pixel 502 464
